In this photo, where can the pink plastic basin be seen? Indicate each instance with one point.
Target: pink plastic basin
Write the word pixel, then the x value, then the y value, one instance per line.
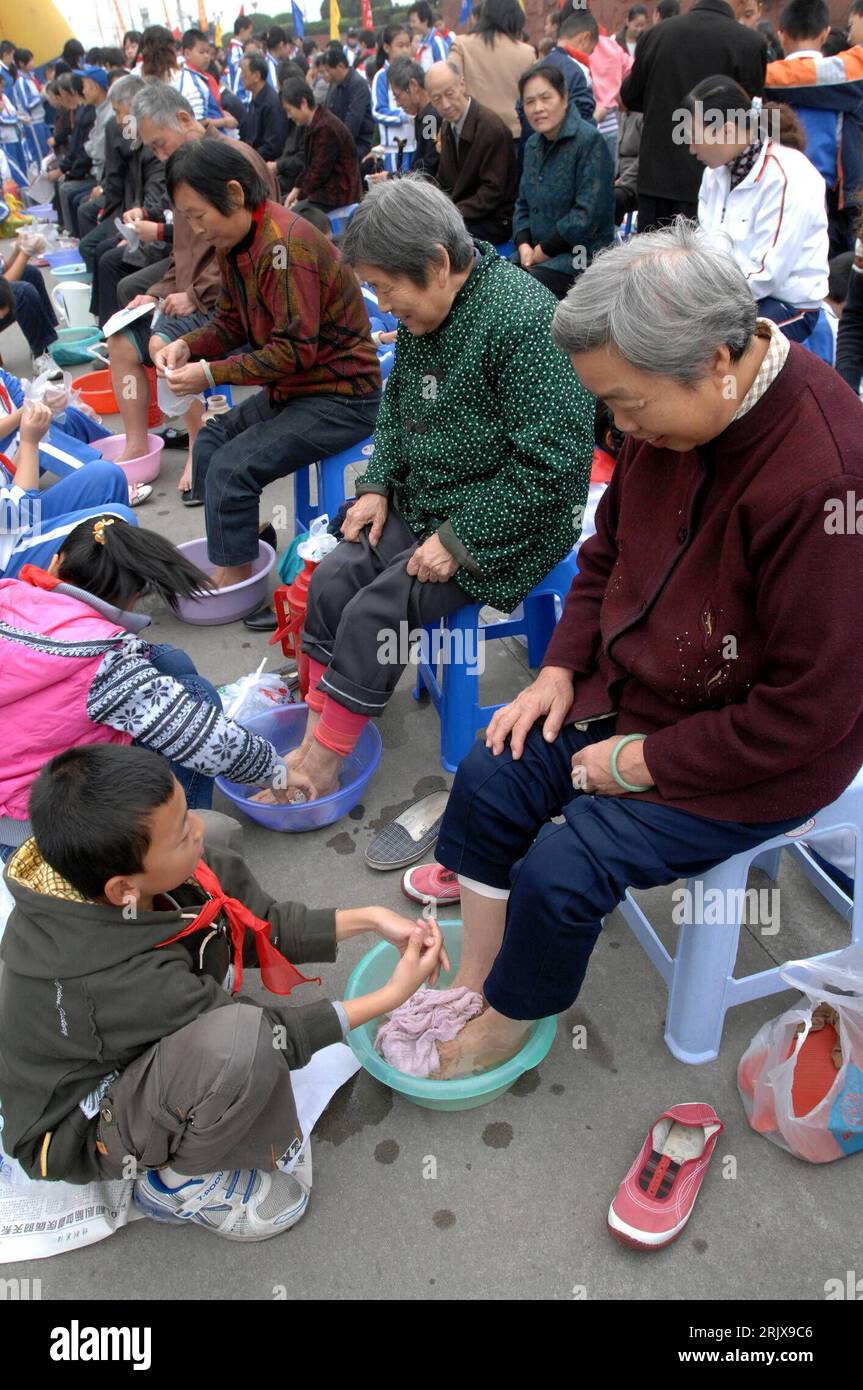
pixel 226 605
pixel 140 470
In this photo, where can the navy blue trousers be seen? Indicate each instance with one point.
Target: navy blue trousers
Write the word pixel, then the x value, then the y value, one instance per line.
pixel 565 878
pixel 796 324
pixel 34 310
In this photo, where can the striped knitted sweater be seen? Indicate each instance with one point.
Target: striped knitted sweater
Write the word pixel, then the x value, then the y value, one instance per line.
pixel 287 292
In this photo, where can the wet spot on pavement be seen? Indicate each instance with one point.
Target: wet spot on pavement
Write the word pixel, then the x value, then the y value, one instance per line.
pixel 498 1135
pixel 342 843
pixel 443 1219
pixel 557 1089
pixel 596 1051
pixel 363 1101
pixel 526 1084
pixel 387 1151
pixel 424 787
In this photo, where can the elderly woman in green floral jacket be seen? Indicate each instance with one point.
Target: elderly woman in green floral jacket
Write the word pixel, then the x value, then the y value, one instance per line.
pixel 481 465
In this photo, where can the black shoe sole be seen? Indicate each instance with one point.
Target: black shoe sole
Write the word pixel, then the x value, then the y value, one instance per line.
pixel 188 500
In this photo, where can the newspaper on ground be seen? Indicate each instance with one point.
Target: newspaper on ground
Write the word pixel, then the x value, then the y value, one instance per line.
pixel 38 1219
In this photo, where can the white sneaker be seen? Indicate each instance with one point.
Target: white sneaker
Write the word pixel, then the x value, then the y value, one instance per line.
pixel 139 493
pixel 239 1204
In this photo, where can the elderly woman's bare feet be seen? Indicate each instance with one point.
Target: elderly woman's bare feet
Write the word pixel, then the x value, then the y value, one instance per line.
pixel 298 755
pixel 322 766
pixel 485 1042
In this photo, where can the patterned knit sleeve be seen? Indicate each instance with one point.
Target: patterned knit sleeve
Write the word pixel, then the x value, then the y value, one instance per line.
pixel 131 695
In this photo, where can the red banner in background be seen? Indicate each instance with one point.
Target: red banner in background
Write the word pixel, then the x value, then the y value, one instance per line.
pixel 366 14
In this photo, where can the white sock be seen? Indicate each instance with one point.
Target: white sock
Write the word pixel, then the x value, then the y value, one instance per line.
pixel 484 890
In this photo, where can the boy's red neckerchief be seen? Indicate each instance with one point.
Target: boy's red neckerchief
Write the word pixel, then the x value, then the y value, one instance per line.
pixel 277 973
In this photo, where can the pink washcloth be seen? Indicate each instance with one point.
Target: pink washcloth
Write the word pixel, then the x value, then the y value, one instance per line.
pixel 409 1040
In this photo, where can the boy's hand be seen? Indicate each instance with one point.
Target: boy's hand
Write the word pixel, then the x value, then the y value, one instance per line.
pixel 288 785
pixel 35 420
pixel 420 961
pixel 398 930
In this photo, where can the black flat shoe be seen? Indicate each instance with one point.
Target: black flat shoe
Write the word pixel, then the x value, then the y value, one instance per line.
pixel 175 439
pixel 189 500
pixel 269 535
pixel 262 620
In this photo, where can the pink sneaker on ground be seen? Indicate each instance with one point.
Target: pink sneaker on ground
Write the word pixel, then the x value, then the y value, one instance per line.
pixel 431 883
pixel 655 1199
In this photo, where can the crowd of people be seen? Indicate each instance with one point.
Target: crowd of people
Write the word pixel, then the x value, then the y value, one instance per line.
pixel 632 252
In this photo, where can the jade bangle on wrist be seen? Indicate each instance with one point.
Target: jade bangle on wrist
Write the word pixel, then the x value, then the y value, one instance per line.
pixel 615 753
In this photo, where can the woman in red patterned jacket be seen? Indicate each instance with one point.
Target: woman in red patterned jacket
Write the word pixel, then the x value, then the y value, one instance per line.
pixel 297 306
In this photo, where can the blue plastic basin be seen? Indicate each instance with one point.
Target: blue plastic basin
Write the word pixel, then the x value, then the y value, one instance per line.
pixel 284 726
pixel 467 1092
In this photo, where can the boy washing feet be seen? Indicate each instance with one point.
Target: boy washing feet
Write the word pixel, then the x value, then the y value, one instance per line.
pixel 126 1048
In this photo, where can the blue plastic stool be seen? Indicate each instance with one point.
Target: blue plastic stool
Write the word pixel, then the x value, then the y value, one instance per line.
pixel 331 483
pixel 700 976
pixel 456 643
pixel 340 217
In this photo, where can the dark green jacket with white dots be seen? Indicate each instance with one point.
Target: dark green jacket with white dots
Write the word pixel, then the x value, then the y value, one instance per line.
pixel 485 435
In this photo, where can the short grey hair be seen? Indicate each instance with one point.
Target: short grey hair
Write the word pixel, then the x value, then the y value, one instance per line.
pixel 125 89
pixel 161 104
pixel 401 72
pixel 400 226
pixel 664 300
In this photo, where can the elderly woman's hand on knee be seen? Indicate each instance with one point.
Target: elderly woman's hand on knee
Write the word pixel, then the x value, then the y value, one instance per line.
pixel 370 509
pixel 548 698
pixel 432 563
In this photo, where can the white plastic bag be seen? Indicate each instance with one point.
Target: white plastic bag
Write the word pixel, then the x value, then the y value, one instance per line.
pixel 319 541
pixel 51 387
pixel 766 1074
pixel 254 694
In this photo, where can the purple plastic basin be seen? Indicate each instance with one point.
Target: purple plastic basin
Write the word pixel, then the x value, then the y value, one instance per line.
pixel 139 470
pixel 225 605
pixel 284 726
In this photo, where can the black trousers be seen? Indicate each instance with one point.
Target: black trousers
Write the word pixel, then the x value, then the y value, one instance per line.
pixel 111 269
pixel 363 606
pixel 654 213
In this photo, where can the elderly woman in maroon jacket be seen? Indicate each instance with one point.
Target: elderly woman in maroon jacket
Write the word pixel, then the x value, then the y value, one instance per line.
pixel 702 690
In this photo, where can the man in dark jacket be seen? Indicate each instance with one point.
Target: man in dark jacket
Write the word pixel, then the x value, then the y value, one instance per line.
pixel 408 82
pixel 478 167
pixel 264 126
pixel 349 98
pixel 134 181
pixel 670 59
pixel 330 177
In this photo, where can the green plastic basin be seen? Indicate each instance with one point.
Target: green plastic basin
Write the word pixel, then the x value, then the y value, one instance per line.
pixel 371 973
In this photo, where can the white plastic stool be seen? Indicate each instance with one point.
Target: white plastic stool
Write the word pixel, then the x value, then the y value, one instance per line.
pixel 700 978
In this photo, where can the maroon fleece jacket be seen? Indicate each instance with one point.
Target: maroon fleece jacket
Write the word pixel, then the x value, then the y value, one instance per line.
pixel 717 608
